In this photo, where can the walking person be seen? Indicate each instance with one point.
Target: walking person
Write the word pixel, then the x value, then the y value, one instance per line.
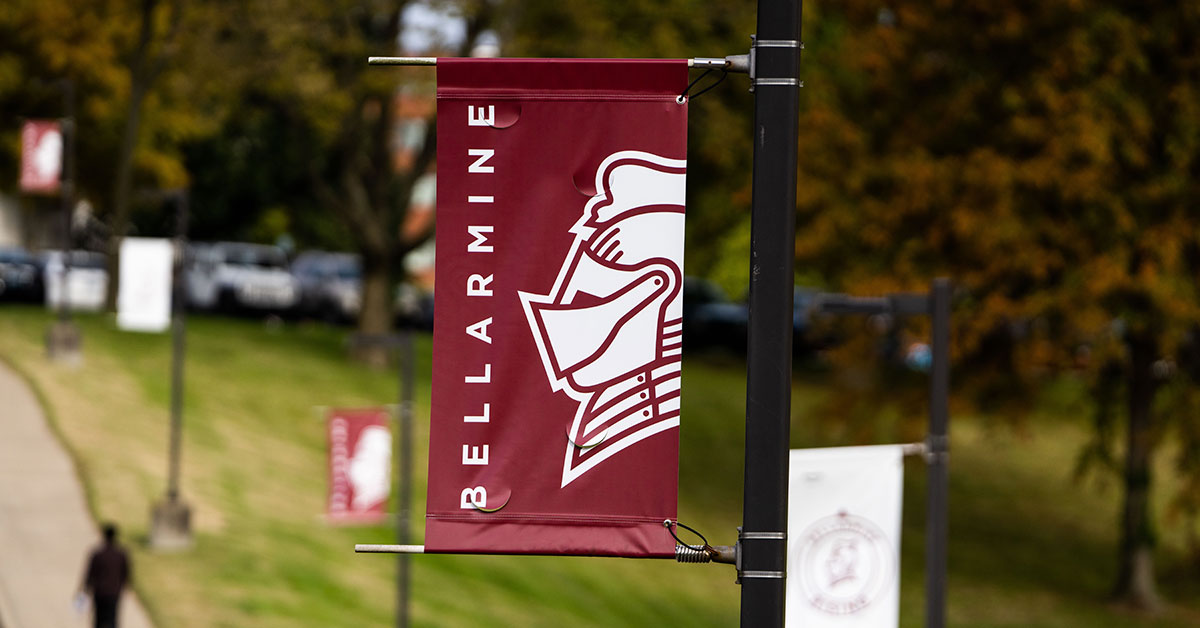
pixel 105 578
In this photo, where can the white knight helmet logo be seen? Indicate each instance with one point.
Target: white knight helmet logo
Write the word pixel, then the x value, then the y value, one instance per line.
pixel 610 330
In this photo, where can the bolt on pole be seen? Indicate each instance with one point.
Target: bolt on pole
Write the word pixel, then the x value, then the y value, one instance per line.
pixel 775 78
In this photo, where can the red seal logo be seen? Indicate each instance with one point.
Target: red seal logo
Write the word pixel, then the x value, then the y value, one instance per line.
pixel 845 562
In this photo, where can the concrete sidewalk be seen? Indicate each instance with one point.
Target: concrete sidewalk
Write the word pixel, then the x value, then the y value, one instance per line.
pixel 45 529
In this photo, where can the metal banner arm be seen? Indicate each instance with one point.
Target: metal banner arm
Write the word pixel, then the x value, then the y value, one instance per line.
pixel 732 63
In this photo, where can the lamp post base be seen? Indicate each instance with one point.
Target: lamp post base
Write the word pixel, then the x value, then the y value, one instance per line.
pixel 171 525
pixel 64 343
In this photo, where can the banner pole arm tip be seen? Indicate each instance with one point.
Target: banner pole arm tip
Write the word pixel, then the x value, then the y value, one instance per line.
pixel 401 60
pixel 388 549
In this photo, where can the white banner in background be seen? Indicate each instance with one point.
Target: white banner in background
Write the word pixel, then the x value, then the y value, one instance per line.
pixel 144 296
pixel 843 548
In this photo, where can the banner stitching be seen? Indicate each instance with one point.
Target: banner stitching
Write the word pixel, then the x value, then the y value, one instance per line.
pixel 546 518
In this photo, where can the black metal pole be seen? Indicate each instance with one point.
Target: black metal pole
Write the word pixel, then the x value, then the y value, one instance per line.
pixel 936 524
pixel 178 328
pixel 775 73
pixel 67 191
pixel 404 470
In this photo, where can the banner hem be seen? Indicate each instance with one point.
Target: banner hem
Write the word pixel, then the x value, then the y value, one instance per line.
pixel 645 540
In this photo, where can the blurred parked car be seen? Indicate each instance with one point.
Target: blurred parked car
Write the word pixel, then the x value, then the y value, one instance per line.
pixel 330 285
pixel 804 340
pixel 240 277
pixel 20 276
pixel 414 308
pixel 86 280
pixel 711 320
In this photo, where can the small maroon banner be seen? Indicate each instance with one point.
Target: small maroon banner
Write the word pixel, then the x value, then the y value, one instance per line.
pixel 360 464
pixel 555 403
pixel 41 157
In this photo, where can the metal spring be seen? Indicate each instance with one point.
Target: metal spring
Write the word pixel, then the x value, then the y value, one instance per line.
pixel 685 554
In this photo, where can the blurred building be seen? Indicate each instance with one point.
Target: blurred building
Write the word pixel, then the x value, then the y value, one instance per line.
pixel 10 222
pixel 33 222
pixel 415 103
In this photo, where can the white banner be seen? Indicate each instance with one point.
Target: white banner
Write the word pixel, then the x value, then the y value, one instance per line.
pixel 843 560
pixel 144 295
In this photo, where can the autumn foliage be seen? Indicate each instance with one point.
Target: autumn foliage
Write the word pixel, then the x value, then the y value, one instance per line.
pixel 1045 156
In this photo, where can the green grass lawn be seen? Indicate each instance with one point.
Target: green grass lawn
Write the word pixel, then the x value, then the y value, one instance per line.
pixel 1028 545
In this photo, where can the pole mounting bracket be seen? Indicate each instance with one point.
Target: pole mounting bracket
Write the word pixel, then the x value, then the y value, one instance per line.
pixel 780 81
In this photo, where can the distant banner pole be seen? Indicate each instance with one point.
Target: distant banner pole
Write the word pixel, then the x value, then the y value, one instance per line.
pixel 67 191
pixel 48 167
pixel 404 356
pixel 171 526
pixel 937 525
pixel 936 448
pixel 776 82
pixel 178 343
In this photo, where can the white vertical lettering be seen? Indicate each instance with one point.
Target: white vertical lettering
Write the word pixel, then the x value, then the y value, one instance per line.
pixel 474 457
pixel 483 154
pixel 478 245
pixel 486 378
pixel 477 286
pixel 482 418
pixel 474 498
pixel 477 117
pixel 480 330
pixel 339 454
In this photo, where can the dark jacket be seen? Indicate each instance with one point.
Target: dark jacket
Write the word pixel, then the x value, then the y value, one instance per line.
pixel 107 572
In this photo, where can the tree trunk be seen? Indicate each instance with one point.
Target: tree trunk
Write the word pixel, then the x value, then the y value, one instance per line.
pixel 123 185
pixel 375 315
pixel 144 69
pixel 1135 578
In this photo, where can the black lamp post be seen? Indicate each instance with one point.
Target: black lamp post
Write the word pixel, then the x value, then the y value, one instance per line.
pixel 63 341
pixel 170 524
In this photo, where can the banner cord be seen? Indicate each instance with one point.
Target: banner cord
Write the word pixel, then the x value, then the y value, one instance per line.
pixel 697 94
pixel 707 549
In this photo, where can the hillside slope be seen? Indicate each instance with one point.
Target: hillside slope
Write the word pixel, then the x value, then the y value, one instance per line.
pixel 1029 547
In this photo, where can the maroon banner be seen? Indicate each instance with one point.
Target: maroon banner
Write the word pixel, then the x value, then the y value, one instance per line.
pixel 360 464
pixel 41 157
pixel 555 407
